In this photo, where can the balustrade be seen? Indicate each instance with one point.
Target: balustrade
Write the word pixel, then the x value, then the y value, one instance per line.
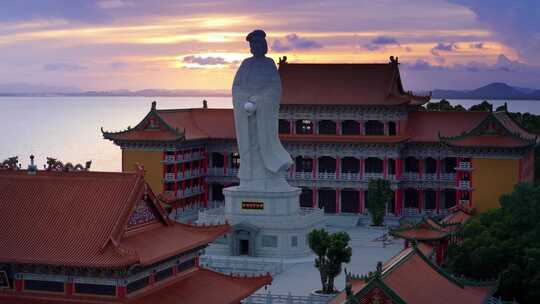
pixel 464 166
pixel 464 184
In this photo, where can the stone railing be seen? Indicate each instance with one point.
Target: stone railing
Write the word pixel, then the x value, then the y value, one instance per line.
pixel 269 298
pixel 192 191
pixel 242 266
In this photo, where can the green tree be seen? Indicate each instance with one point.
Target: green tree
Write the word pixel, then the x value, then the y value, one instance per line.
pixel 332 251
pixel 483 106
pixel 504 243
pixel 379 194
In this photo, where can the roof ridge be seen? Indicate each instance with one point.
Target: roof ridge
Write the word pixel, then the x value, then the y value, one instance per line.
pixel 118 228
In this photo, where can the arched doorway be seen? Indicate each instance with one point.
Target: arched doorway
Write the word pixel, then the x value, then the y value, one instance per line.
pixel 242 240
pixel 327 200
pixel 350 201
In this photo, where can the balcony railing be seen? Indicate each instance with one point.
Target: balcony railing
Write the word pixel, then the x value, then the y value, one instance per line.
pixel 464 184
pixel 370 175
pixel 448 176
pixel 464 166
pixel 303 175
pixel 326 175
pixel 350 176
pixel 180 158
pixel 411 176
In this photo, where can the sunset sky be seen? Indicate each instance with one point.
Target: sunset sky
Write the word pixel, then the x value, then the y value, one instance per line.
pixel 188 44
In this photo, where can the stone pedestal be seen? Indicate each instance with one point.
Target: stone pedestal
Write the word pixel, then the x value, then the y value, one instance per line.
pixel 269 224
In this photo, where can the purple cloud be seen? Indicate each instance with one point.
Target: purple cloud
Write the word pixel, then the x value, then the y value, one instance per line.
pixel 68 67
pixel 384 40
pixel 294 42
pixel 380 42
pixel 79 10
pixel 204 60
pixel 479 45
pixel 443 47
pixel 515 23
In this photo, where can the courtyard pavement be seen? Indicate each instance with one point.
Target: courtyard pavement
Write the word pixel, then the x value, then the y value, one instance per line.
pixel 300 277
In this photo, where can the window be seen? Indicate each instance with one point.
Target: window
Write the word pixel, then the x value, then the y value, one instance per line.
pixel 37 285
pixel 327 164
pixel 411 165
pixel 392 129
pixel 138 284
pixel 374 165
pixel 97 289
pixel 294 241
pixel 304 126
pixel 350 127
pixel 327 127
pixel 303 164
pixel 217 160
pixel 186 265
pixel 269 241
pixel 374 127
pixel 235 160
pixel 163 274
pixel 284 127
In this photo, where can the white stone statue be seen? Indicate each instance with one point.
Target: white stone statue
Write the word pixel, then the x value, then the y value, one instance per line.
pixel 256 96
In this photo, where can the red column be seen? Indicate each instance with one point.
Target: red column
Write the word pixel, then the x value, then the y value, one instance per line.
pixel 398 127
pixel 438 200
pixel 152 278
pixel 164 170
pixel 68 287
pixel 314 197
pixel 338 205
pixel 291 126
pixel 362 202
pixel 362 167
pixel 398 168
pixel 420 168
pixel 420 200
pixel 19 285
pixel 225 163
pixel 121 292
pixel 338 169
pixel 438 162
pixel 385 167
pixel 399 201
pixel 338 127
pixel 314 168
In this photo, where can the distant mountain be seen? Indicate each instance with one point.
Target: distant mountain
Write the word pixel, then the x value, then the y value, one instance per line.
pixel 29 90
pixel 496 90
pixel 21 88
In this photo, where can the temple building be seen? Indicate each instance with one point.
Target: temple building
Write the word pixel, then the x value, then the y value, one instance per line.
pixel 343 124
pixel 89 237
pixel 411 277
pixel 434 234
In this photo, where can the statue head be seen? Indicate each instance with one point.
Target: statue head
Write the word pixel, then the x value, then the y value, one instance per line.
pixel 257 43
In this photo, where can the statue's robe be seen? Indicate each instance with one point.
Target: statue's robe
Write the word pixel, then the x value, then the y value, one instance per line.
pixel 261 154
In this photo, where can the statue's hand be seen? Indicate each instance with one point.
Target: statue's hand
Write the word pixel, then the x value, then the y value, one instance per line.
pixel 250 107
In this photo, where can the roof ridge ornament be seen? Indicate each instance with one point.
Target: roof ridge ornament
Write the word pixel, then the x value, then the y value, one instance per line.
pixel 394 60
pixel 154 104
pixel 32 168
